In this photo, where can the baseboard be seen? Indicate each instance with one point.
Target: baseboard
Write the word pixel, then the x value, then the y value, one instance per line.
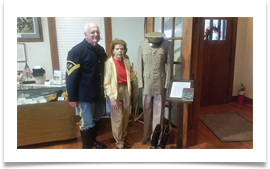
pixel 246 100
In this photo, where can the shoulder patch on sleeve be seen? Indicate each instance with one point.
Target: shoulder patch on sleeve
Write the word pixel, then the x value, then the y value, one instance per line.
pixel 71 66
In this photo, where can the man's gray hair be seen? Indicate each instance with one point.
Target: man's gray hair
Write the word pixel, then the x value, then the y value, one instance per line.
pixel 87 24
pixel 86 28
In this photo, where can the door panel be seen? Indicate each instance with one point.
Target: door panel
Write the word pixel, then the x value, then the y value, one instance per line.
pixel 216 61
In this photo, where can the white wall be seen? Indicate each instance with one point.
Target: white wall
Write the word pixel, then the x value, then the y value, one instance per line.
pixel 39 53
pixel 243 70
pixel 131 30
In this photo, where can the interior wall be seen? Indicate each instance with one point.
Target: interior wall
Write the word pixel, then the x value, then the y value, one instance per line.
pixel 131 30
pixel 243 70
pixel 39 53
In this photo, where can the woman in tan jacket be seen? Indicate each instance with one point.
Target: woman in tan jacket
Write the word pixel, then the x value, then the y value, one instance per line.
pixel 117 86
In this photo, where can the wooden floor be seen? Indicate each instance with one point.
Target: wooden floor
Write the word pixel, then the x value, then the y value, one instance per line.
pixel 206 139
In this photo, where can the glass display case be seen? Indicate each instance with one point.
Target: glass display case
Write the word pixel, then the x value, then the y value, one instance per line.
pixel 44 114
pixel 35 93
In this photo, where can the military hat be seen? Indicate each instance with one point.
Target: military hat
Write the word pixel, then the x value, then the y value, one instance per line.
pixel 38 72
pixel 155 35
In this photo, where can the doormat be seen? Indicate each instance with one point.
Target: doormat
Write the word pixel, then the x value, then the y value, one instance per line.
pixel 228 127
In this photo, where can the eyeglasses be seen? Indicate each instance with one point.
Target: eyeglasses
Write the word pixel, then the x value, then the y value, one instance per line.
pixel 93 32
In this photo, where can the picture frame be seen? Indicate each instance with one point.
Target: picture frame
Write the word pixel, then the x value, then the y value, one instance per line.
pixel 188 94
pixel 21 56
pixel 174 93
pixel 29 29
pixel 57 77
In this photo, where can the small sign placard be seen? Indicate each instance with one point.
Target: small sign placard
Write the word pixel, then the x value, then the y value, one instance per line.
pixel 61 99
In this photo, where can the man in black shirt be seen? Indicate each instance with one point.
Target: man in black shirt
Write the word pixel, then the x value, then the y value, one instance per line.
pixel 84 80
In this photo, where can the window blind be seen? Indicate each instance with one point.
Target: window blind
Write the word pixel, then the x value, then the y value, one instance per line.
pixel 70 31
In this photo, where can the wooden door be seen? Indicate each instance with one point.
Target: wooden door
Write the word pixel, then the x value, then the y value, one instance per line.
pixel 217 57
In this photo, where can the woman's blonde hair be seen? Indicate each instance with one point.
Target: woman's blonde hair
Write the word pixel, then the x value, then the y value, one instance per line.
pixel 118 41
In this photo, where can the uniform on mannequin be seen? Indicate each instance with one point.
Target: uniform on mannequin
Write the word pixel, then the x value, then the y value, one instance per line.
pixel 155 63
pixel 155 39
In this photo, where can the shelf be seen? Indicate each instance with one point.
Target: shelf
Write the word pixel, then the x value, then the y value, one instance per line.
pixel 38 86
pixel 36 93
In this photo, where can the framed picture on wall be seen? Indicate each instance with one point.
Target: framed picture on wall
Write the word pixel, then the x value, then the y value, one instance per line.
pixel 21 57
pixel 29 29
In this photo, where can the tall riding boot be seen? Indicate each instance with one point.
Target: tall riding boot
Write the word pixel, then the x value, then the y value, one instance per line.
pixel 165 137
pixel 97 144
pixel 87 138
pixel 155 136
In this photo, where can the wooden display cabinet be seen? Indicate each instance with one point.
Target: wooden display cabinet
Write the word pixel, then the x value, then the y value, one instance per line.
pixel 45 122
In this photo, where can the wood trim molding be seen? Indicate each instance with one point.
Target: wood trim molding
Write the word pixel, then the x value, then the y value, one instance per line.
pixel 185 70
pixel 53 43
pixel 186 48
pixel 162 24
pixel 149 24
pixel 196 71
pixel 233 48
pixel 108 34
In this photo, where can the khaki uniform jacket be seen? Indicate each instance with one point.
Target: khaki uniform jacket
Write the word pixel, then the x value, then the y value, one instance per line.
pixel 110 78
pixel 155 67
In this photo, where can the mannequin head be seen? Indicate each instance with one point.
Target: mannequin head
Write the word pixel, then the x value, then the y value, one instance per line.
pixel 155 38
